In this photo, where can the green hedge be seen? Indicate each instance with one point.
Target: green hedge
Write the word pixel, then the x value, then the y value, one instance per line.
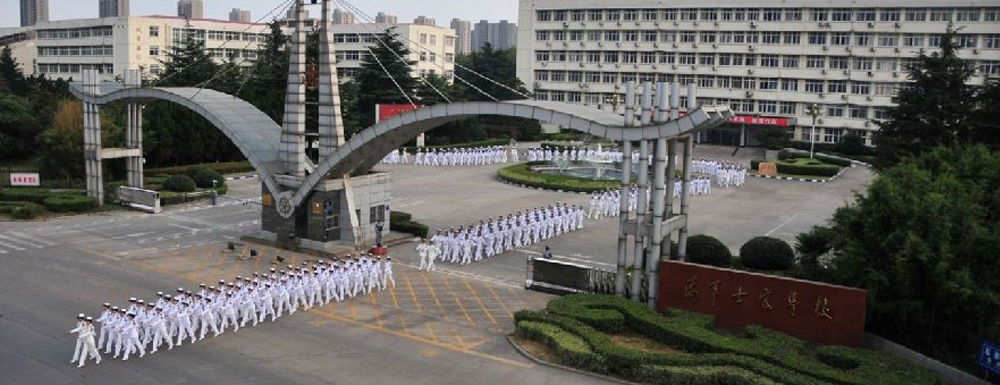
pixel 69 203
pixel 25 212
pixel 223 168
pixel 827 170
pixel 522 174
pixel 785 154
pixel 571 349
pixel 767 253
pixel 204 178
pixel 179 183
pixel 707 250
pixel 764 356
pixel 403 223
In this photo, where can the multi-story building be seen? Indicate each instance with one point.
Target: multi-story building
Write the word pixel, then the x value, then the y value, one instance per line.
pixel 431 47
pixel 342 17
pixel 240 15
pixel 384 18
pixel 112 45
pixel 191 9
pixel 463 36
pixel 424 20
pixel 34 11
pixel 502 35
pixel 770 60
pixel 113 8
pixel 21 42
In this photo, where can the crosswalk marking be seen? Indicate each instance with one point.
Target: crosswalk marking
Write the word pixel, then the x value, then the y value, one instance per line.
pixel 10 238
pixel 25 236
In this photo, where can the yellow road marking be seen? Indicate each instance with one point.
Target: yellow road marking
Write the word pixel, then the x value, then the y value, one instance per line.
pixel 433 343
pixel 414 295
pixel 476 296
pixel 458 301
pixel 503 305
pixel 378 312
pixel 444 315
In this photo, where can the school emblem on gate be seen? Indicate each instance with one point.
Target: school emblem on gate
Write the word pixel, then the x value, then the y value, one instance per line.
pixel 285 207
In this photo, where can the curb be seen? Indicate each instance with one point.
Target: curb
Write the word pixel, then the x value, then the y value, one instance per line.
pixel 566 368
pixel 540 188
pixel 232 178
pixel 793 179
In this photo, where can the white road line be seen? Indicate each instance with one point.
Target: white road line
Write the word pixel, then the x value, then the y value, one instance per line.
pixel 16 248
pixel 2 251
pixel 10 238
pixel 782 225
pixel 407 205
pixel 133 235
pixel 25 236
pixel 192 229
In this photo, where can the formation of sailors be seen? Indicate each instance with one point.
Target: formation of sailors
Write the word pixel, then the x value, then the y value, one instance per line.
pixel 476 156
pixel 493 237
pixel 598 154
pixel 725 174
pixel 245 301
pixel 606 203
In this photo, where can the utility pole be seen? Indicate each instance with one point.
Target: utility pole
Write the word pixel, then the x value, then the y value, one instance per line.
pixel 815 111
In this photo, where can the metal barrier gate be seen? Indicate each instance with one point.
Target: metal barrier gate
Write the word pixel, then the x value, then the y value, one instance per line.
pixel 564 277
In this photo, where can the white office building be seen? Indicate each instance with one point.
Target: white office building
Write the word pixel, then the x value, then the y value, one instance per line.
pixel 112 45
pixel 769 60
pixel 431 47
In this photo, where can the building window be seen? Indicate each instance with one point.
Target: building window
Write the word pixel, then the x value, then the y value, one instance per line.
pixel 769 37
pixel 866 14
pixel 859 112
pixel 833 135
pixel 768 83
pixel 630 15
pixel 941 14
pixel 613 15
pixel 648 57
pixel 839 63
pixel 767 107
pixel 862 39
pixel 707 37
pixel 836 86
pixel 611 57
pixel 817 38
pixel 991 41
pixel 577 15
pixel 841 38
pixel 790 61
pixel 154 69
pixel 542 56
pixel 816 62
pixel 861 88
pixel 670 14
pixel 885 89
pixel 543 16
pixel 154 50
pixel 650 36
pixel 594 35
pixel 889 14
pixel 688 36
pixel 611 36
pixel 542 76
pixel 706 81
pixel 667 58
pixel 888 40
pixel 706 59
pixel 835 111
pixel 967 14
pixel 423 56
pixel 559 35
pixel 917 14
pixel 911 40
pixel 769 61
pixel 819 14
pixel 841 15
pixel 990 67
pixel 967 41
pixel 792 37
pixel 593 57
pixel 790 84
pixel 154 31
pixel 787 108
pixel 689 14
pixel 793 14
pixel 709 14
pixel 814 86
pixel 629 57
pixel 991 14
pixel 863 63
pixel 885 64
pixel 687 58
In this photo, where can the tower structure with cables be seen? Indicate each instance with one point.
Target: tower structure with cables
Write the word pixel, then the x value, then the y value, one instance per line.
pixel 293 128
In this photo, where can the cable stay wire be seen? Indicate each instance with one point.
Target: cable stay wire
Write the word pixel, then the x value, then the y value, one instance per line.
pixel 202 85
pixel 392 78
pixel 366 17
pixel 423 78
pixel 283 4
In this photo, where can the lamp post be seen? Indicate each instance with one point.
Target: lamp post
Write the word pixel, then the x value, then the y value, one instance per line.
pixel 815 111
pixel 614 101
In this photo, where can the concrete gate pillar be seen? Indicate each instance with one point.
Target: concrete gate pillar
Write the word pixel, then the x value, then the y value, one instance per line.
pixel 92 139
pixel 133 133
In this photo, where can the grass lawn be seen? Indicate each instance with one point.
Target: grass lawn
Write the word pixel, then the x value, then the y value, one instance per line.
pixel 616 336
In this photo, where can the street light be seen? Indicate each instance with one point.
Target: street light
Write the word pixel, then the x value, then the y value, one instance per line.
pixel 614 101
pixel 815 111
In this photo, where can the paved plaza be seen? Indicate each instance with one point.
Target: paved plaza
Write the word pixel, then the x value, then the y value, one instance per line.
pixel 444 327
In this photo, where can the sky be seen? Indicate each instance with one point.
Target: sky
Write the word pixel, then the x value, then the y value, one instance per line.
pixel 441 10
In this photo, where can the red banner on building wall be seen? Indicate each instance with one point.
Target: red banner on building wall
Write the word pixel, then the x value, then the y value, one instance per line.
pixel 386 111
pixel 757 120
pixel 812 311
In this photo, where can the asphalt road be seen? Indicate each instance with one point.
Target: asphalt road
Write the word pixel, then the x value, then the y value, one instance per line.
pixel 438 328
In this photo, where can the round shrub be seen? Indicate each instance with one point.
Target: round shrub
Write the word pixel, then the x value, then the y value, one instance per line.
pixel 766 253
pixel 179 183
pixel 707 250
pixel 203 178
pixel 28 211
pixel 69 203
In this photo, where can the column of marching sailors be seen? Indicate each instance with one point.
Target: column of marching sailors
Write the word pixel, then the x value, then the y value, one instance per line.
pixel 494 237
pixel 573 154
pixel 477 156
pixel 246 301
pixel 606 203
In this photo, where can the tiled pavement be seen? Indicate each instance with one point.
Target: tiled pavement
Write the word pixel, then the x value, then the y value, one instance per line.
pixel 442 310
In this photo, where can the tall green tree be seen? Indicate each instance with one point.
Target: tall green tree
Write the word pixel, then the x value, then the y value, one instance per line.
pixel 498 66
pixel 923 240
pixel 380 74
pixel 19 127
pixel 61 145
pixel 11 76
pixel 265 84
pixel 935 107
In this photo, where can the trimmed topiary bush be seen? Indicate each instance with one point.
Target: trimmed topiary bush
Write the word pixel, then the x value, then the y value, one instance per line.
pixel 27 211
pixel 69 203
pixel 707 250
pixel 766 253
pixel 179 183
pixel 403 223
pixel 203 178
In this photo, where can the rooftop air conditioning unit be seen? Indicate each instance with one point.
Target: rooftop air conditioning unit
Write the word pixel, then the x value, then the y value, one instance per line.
pixel 618 65
pixel 583 24
pixel 871 25
pixel 676 23
pixel 714 68
pixel 656 23
pixel 636 44
pixel 824 71
pixel 715 45
pixel 600 65
pixel 749 94
pixel 673 66
pixel 548 44
pixel 975 51
pixel 871 49
pixel 870 74
pixel 618 44
pixel 694 68
pixel 618 23
pixel 868 98
pixel 844 97
pixel 675 45
pixel 822 95
pixel 848 49
pixel 847 72
pixel 898 25
pixel 656 45
pixel 600 23
pixel 750 71
pixel 581 65
pixel 600 44
pixel 826 48
pixel 695 24
pixel 655 66
pixel 750 48
pixel 695 45
pixel 753 25
pixel 565 24
pixel 895 74
pixel 896 49
pixel 544 64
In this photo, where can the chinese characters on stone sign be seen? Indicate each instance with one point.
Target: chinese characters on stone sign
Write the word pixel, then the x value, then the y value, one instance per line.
pixel 821 310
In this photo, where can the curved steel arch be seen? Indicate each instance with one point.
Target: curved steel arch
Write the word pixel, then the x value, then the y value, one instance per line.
pixel 254 133
pixel 372 144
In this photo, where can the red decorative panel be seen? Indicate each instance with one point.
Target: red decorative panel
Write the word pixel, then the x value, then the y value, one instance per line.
pixel 828 314
pixel 386 111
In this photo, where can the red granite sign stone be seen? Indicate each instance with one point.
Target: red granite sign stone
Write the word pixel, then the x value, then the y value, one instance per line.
pixel 811 311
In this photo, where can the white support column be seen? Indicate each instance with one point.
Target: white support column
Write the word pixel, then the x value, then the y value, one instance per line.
pixel 626 185
pixel 659 193
pixel 675 102
pixel 292 147
pixel 331 122
pixel 642 186
pixel 92 139
pixel 133 132
pixel 692 104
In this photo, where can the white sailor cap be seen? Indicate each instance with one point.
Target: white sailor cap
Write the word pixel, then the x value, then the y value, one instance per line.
pixel 80 316
pixel 107 304
pixel 90 319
